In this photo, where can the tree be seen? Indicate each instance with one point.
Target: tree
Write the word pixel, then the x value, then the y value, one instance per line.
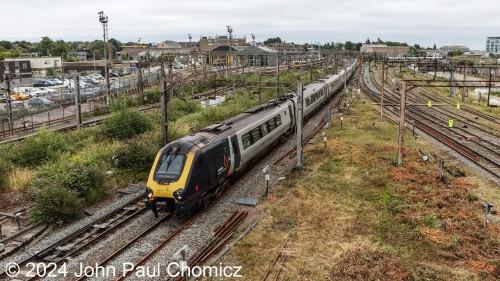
pixel 456 52
pixel 434 48
pixel 379 41
pixel 45 46
pixel 349 46
pixel 272 41
pixel 367 41
pixel 117 45
pixel 98 48
pixel 59 48
pixel 6 44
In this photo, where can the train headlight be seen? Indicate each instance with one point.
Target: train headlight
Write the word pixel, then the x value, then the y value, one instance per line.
pixel 178 194
pixel 149 193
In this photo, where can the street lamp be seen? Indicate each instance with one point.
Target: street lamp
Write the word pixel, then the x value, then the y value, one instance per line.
pixel 94 61
pixel 62 63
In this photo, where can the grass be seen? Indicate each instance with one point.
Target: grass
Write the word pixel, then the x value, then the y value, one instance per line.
pixel 358 216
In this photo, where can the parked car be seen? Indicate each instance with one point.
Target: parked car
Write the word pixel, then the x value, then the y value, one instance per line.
pixel 21 96
pixel 47 90
pixel 35 92
pixel 14 104
pixel 56 81
pixel 42 84
pixel 38 101
pixel 114 74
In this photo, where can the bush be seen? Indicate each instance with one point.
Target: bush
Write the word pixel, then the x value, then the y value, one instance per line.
pixel 5 170
pixel 85 180
pixel 152 96
pixel 135 157
pixel 56 205
pixel 46 146
pixel 126 124
pixel 179 108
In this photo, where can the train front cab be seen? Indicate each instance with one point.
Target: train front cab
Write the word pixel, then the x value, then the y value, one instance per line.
pixel 177 179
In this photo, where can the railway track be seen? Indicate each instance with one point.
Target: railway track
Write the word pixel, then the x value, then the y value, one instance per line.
pixel 74 243
pixel 484 156
pixel 22 238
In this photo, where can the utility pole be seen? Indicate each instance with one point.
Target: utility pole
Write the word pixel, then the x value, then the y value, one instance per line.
pixel 141 85
pixel 464 89
pixel 9 104
pixel 382 93
pixel 401 133
pixel 300 104
pixel 163 101
pixel 171 80
pixel 78 106
pixel 489 89
pixel 277 75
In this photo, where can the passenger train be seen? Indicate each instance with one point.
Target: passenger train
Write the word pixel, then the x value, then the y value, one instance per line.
pixel 188 173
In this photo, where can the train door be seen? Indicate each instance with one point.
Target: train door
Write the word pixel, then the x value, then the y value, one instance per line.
pixel 236 151
pixel 222 160
pixel 212 171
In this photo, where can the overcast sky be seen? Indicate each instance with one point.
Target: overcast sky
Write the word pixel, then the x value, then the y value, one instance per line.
pixel 424 22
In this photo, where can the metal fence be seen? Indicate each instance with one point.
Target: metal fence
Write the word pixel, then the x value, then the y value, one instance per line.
pixel 57 108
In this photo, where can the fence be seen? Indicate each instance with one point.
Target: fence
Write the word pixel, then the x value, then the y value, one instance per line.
pixel 57 108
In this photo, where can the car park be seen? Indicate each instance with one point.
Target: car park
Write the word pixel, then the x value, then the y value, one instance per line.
pixel 39 101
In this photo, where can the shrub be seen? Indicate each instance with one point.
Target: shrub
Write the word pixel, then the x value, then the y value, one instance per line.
pixel 179 108
pixel 135 157
pixel 56 205
pixel 5 170
pixel 151 96
pixel 126 124
pixel 85 180
pixel 46 146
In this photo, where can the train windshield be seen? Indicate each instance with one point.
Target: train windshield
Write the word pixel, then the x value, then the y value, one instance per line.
pixel 170 167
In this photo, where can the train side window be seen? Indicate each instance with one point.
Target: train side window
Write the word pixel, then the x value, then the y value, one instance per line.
pixel 264 129
pixel 272 125
pixel 256 135
pixel 278 120
pixel 246 140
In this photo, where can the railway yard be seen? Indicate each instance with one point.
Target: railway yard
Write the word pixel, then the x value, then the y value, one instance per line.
pixel 351 212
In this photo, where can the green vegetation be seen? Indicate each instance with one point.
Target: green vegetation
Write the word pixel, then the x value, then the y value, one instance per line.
pixel 135 157
pixel 126 124
pixel 5 170
pixel 46 146
pixel 57 206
